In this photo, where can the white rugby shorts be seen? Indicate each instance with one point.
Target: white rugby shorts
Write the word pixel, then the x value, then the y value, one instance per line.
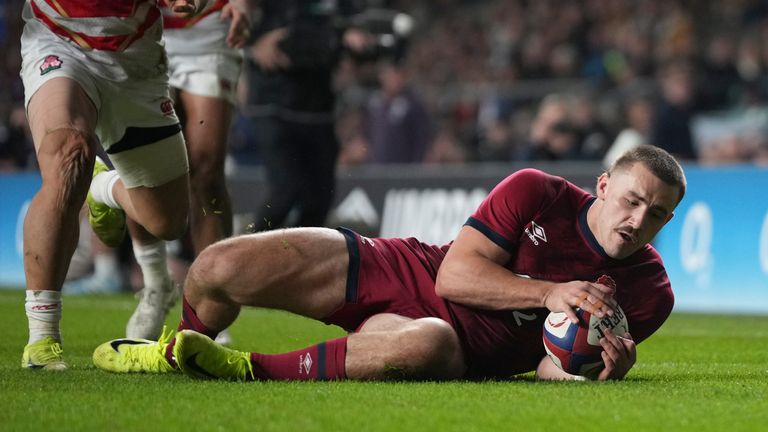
pixel 200 61
pixel 134 115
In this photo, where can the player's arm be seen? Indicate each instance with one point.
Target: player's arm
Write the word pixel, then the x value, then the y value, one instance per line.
pixel 473 274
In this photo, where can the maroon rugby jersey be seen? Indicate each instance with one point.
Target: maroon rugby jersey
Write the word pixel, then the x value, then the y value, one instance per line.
pixel 541 221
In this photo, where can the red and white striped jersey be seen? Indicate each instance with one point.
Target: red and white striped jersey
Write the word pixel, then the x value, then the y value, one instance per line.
pixel 96 24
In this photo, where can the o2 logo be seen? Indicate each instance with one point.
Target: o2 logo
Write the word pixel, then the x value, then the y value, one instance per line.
pixel 763 246
pixel 696 239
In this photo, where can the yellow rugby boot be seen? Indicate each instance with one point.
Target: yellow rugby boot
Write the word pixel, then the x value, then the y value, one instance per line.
pixel 44 354
pixel 200 357
pixel 133 355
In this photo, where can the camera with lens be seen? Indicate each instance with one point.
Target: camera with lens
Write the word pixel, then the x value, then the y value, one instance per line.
pixel 316 38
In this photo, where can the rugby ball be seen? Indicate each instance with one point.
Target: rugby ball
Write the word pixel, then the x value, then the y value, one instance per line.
pixel 575 348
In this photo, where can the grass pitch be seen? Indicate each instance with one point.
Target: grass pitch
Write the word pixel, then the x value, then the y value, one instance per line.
pixel 698 373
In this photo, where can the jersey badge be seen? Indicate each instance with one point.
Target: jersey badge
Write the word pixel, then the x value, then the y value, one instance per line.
pixel 166 107
pixel 50 63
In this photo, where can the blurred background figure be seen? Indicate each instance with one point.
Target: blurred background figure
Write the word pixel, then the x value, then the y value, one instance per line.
pixel 291 102
pixel 552 136
pixel 16 148
pixel 297 48
pixel 398 126
pixel 672 118
pixel 638 115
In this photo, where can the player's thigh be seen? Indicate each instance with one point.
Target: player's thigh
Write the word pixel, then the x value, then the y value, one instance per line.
pixel 301 270
pixel 58 104
pixel 168 201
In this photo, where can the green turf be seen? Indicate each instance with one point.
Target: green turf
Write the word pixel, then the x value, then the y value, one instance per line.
pixel 698 373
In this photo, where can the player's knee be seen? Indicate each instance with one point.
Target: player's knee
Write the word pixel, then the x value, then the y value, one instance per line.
pixel 434 349
pixel 213 268
pixel 206 167
pixel 169 227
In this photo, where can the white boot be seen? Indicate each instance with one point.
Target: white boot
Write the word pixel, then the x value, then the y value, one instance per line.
pixel 154 304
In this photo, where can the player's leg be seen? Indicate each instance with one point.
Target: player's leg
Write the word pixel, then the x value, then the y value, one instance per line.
pixel 206 130
pixel 302 270
pixel 206 126
pixel 298 270
pixel 150 184
pixel 160 290
pixel 162 209
pixel 388 347
pixel 62 119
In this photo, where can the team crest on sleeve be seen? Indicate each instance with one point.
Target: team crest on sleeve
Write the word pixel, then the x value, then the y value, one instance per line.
pixel 166 106
pixel 51 62
pixel 535 232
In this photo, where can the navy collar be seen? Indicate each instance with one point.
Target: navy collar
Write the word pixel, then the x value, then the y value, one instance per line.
pixel 584 226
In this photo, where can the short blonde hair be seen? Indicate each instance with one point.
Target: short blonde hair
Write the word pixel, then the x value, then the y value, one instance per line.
pixel 658 161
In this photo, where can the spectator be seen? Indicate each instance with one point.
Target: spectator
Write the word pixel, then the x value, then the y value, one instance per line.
pixel 672 129
pixel 639 116
pixel 398 128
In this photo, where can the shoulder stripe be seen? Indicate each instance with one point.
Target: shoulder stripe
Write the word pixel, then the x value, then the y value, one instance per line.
pixel 491 234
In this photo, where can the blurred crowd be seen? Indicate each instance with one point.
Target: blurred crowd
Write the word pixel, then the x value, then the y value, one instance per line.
pixel 517 80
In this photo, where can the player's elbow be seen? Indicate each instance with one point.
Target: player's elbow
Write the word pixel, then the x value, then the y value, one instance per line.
pixel 447 285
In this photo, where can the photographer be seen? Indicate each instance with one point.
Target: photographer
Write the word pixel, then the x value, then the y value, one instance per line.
pixel 297 46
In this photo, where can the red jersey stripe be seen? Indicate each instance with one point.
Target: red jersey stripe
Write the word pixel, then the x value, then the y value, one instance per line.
pixel 103 43
pixel 96 8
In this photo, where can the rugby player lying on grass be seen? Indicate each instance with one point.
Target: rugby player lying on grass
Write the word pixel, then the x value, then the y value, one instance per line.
pixel 472 309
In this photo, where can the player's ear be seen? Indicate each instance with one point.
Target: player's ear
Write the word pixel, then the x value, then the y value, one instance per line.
pixel 602 185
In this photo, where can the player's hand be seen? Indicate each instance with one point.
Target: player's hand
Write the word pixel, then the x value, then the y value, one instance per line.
pixel 593 297
pixel 239 16
pixel 186 8
pixel 267 53
pixel 619 355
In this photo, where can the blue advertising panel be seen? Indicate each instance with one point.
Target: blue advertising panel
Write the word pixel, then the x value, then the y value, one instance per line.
pixel 716 246
pixel 16 191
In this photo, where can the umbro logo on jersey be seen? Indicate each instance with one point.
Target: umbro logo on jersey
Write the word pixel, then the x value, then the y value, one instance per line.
pixel 535 232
